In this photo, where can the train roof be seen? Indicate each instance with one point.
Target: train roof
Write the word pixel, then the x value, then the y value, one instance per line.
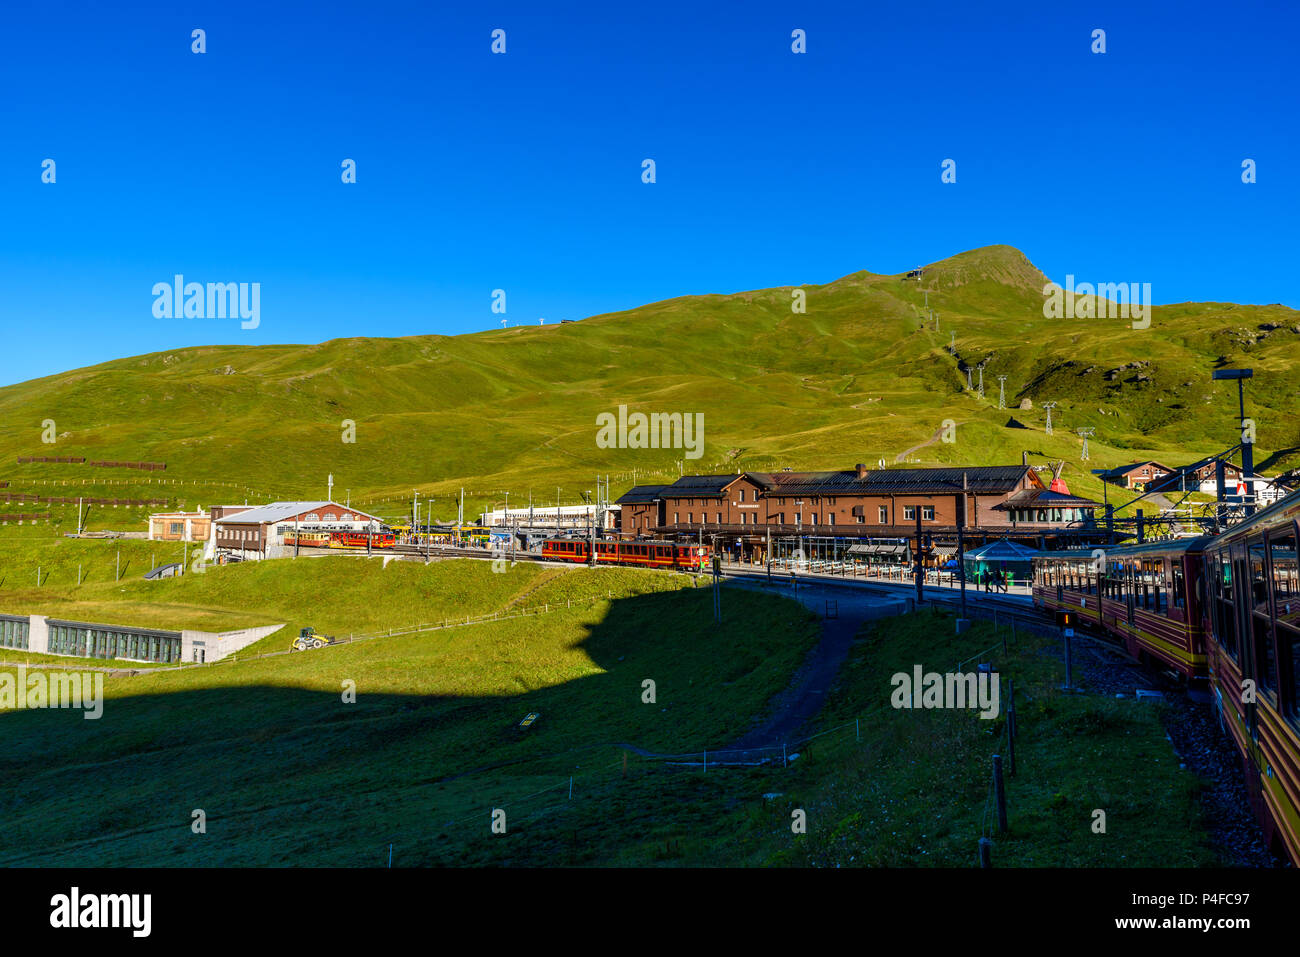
pixel 1196 543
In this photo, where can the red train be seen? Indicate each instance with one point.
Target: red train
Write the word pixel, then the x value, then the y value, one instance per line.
pixel 340 539
pixel 693 558
pixel 1224 610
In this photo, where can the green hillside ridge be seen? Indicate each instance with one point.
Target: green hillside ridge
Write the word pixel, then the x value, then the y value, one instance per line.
pixel 858 377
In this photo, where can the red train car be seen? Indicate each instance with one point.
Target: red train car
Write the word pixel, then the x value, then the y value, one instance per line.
pixel 339 539
pixel 361 539
pixel 645 554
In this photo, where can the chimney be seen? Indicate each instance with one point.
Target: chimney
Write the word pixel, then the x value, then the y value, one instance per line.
pixel 1024 459
pixel 861 470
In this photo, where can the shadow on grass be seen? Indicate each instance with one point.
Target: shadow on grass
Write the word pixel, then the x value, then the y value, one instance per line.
pixel 269 764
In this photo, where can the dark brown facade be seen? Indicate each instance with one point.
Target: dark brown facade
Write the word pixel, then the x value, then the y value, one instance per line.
pixel 992 501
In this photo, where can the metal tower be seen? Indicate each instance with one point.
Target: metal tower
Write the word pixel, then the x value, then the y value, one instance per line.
pixel 1085 433
pixel 1049 406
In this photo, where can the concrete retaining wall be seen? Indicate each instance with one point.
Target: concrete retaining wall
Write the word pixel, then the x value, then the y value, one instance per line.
pixel 195 645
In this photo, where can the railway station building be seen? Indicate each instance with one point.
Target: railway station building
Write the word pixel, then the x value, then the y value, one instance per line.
pixel 872 511
pixel 254 532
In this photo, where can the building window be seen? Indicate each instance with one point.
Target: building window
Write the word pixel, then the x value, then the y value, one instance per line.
pixel 329 516
pixel 883 511
pixel 909 513
pixel 927 513
pixel 830 518
pixel 175 528
pixel 742 495
pixel 862 519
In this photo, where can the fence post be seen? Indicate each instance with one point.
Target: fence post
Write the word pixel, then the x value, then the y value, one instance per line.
pixel 1069 680
pixel 1000 792
pixel 1011 746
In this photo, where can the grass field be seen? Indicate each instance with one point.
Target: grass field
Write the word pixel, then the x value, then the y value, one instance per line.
pixel 333 592
pixel 289 773
pixel 912 792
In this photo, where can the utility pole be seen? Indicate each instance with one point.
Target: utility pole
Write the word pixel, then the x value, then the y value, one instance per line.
pixel 1002 392
pixel 329 493
pixel 969 384
pixel 1049 406
pixel 920 561
pixel 961 541
pixel 1085 433
pixel 1247 434
pixel 981 388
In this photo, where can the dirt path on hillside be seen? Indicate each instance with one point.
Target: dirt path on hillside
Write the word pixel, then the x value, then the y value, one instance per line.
pixel 902 456
pixel 803 698
pixel 790 712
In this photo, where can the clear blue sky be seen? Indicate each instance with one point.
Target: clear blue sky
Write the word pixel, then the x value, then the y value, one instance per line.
pixel 479 171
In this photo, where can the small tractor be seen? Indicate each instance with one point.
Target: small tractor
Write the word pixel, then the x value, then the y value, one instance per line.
pixel 307 638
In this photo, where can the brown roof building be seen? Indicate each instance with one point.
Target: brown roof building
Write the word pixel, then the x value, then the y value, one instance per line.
pixel 1135 474
pixel 987 502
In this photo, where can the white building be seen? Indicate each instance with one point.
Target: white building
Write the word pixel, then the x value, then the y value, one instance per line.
pixel 567 516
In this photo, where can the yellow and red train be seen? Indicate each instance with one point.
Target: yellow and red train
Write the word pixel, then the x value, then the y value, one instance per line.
pixel 1222 610
pixel 340 539
pixel 645 554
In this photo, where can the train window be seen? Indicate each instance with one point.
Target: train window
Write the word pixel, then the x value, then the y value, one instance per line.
pixel 1258 579
pixel 1285 576
pixel 1178 591
pixel 1284 573
pixel 1225 611
pixel 1265 653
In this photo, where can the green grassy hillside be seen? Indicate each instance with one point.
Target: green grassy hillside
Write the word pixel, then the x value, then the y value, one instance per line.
pixel 858 377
